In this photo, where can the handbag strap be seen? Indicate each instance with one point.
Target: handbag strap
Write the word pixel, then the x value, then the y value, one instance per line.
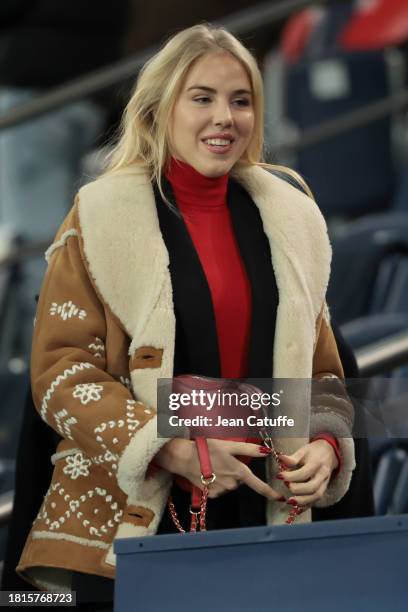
pixel 204 457
pixel 207 475
pixel 198 498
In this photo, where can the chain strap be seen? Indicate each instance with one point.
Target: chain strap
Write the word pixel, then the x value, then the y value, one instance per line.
pixel 174 516
pixel 203 508
pixel 268 442
pixel 197 516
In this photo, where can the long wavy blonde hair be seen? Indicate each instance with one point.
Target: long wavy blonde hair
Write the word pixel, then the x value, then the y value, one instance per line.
pixel 144 136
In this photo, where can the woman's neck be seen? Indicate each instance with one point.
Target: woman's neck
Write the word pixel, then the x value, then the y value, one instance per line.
pixel 193 190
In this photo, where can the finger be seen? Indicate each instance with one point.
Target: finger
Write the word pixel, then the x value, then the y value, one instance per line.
pixel 247 448
pixel 294 459
pixel 307 488
pixel 302 500
pixel 226 486
pixel 259 485
pixel 215 492
pixel 230 484
pixel 288 460
pixel 302 474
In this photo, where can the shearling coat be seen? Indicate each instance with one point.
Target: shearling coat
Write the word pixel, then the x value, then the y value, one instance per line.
pixel 104 334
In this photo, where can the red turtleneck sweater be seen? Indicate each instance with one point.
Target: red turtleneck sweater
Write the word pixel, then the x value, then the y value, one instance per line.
pixel 202 202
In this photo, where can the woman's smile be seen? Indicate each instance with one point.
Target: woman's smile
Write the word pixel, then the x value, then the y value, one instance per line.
pixel 219 143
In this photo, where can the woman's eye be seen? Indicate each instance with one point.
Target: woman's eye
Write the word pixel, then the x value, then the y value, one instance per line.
pixel 242 102
pixel 237 102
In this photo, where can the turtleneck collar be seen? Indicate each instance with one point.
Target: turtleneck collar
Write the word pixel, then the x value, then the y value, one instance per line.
pixel 194 191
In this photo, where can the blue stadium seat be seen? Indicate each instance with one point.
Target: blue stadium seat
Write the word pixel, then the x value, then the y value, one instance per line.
pixel 352 173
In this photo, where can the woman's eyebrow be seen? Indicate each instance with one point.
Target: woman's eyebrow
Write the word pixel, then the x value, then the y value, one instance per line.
pixel 211 90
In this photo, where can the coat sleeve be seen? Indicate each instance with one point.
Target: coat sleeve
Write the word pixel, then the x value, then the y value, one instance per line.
pixel 332 411
pixel 72 389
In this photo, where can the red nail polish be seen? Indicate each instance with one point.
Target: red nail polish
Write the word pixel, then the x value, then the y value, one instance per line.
pixel 286 482
pixel 265 450
pixel 279 477
pixel 292 502
pixel 281 499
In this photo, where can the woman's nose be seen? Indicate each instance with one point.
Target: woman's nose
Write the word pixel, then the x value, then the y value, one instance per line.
pixel 223 116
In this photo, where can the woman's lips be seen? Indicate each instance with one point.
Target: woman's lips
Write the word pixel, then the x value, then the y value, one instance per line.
pixel 218 149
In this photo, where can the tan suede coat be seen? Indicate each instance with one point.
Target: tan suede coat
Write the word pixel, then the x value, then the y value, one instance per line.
pixel 104 334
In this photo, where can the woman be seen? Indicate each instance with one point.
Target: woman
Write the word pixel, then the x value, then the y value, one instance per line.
pixel 186 256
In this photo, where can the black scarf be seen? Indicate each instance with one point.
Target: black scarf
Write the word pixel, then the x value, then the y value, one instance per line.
pixel 196 345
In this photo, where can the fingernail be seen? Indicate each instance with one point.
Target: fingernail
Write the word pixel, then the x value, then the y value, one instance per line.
pixel 286 482
pixel 265 450
pixel 280 477
pixel 292 502
pixel 281 499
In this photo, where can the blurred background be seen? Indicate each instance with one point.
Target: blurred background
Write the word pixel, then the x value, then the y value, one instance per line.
pixel 336 85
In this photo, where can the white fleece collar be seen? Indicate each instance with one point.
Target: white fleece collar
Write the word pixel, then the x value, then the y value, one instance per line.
pixel 128 259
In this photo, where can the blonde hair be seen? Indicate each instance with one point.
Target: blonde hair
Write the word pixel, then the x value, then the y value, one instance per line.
pixel 143 136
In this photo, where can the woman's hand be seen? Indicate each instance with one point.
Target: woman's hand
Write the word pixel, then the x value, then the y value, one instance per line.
pixel 310 471
pixel 181 457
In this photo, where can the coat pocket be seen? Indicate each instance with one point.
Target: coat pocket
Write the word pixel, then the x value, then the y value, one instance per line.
pixel 146 357
pixel 138 515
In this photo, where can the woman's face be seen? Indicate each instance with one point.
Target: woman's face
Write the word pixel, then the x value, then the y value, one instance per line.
pixel 213 118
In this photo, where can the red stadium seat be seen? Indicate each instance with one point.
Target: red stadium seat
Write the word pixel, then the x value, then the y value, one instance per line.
pixel 383 23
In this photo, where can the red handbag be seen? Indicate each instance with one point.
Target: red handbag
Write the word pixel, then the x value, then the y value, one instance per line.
pixel 187 384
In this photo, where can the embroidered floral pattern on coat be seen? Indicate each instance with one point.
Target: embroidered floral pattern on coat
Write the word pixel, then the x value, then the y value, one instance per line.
pixel 76 466
pixel 88 392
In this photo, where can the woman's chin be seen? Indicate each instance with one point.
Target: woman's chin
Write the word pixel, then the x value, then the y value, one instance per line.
pixel 214 169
